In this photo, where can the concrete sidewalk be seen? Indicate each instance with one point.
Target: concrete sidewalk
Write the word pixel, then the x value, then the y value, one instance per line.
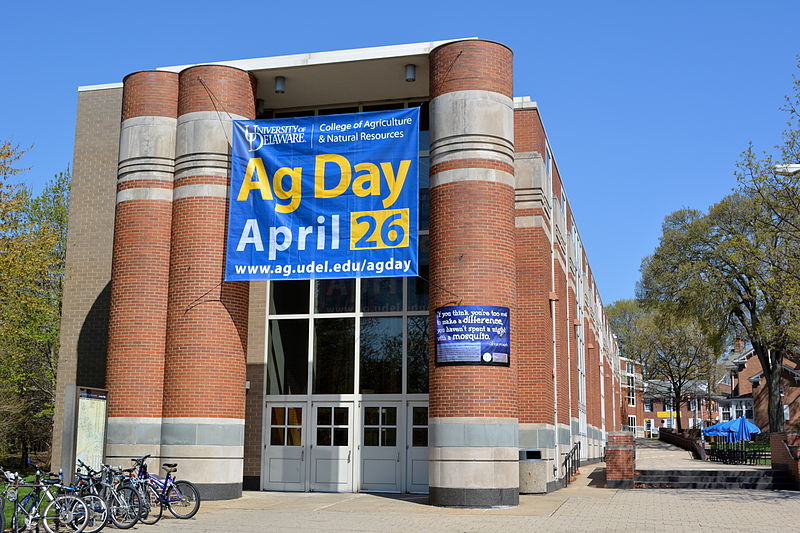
pixel 583 506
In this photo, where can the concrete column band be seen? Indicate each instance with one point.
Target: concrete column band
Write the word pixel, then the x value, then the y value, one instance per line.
pixel 204 400
pixel 473 445
pixel 140 265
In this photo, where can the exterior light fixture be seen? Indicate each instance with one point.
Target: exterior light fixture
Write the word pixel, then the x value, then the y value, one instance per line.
pixel 280 85
pixel 411 73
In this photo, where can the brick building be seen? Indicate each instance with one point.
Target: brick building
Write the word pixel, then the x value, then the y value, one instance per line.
pixel 698 407
pixel 747 394
pixel 235 380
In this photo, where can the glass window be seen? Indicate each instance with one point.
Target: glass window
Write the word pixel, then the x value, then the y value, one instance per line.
pixel 288 297
pixel 417 347
pixel 335 296
pixel 384 107
pixel 287 368
pixel 379 295
pixel 419 426
pixel 333 426
pixel 424 193
pixel 334 356
pixel 338 110
pixel 418 286
pixel 380 430
pixel 424 124
pixel 381 355
pixel 290 114
pixel 286 430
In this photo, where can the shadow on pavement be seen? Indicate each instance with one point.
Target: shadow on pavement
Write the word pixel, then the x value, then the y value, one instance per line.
pixel 598 478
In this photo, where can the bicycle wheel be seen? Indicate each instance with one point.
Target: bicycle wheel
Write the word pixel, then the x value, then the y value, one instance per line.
pixel 183 499
pixel 98 513
pixel 65 514
pixel 152 510
pixel 124 506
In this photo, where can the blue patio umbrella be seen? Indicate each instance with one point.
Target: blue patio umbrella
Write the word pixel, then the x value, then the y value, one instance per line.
pixel 740 429
pixel 717 429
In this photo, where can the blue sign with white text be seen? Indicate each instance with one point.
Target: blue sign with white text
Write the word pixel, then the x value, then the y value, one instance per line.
pixel 473 335
pixel 332 196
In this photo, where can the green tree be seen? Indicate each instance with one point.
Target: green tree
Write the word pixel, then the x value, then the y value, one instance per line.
pixel 774 179
pixel 623 316
pixel 673 351
pixel 724 270
pixel 32 257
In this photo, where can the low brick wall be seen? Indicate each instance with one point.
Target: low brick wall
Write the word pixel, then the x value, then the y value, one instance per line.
pixel 681 441
pixel 784 449
pixel 620 460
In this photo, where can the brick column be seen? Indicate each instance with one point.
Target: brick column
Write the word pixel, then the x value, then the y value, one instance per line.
pixel 783 449
pixel 204 380
pixel 140 265
pixel 620 460
pixel 473 447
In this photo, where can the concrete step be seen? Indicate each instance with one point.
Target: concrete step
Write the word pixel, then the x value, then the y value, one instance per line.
pixel 712 473
pixel 717 485
pixel 715 479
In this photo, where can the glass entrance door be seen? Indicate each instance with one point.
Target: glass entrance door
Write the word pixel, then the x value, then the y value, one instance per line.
pixel 331 451
pixel 284 467
pixel 381 447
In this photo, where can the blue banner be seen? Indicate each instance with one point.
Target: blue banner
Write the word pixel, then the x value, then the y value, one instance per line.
pixel 472 335
pixel 321 197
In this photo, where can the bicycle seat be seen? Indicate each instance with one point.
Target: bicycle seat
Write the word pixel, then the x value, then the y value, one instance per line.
pixel 170 467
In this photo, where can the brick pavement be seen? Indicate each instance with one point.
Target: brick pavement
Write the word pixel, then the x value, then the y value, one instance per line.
pixel 583 506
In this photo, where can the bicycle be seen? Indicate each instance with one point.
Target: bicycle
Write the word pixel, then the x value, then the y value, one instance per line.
pixel 62 512
pixel 86 487
pixel 124 504
pixel 181 497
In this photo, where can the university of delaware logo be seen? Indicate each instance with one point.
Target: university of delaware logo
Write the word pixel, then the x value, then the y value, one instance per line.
pixel 260 136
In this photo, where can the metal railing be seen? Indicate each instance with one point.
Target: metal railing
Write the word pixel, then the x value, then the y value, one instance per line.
pixel 739 457
pixel 572 462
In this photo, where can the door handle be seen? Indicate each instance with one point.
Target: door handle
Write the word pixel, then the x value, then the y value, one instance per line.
pixel 302 454
pixel 398 457
pixel 348 455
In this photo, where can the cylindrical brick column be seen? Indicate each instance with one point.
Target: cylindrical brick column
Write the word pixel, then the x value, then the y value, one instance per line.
pixel 473 446
pixel 204 379
pixel 620 460
pixel 140 266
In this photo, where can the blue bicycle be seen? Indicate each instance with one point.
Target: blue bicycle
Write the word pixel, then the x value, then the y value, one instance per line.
pixel 181 497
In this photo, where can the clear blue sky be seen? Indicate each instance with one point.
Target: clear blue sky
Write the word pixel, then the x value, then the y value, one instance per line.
pixel 647 104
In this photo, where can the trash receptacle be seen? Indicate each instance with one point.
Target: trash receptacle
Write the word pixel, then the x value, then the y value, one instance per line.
pixel 532 472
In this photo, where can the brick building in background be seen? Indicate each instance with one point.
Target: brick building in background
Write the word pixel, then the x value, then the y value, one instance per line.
pixel 229 378
pixel 746 389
